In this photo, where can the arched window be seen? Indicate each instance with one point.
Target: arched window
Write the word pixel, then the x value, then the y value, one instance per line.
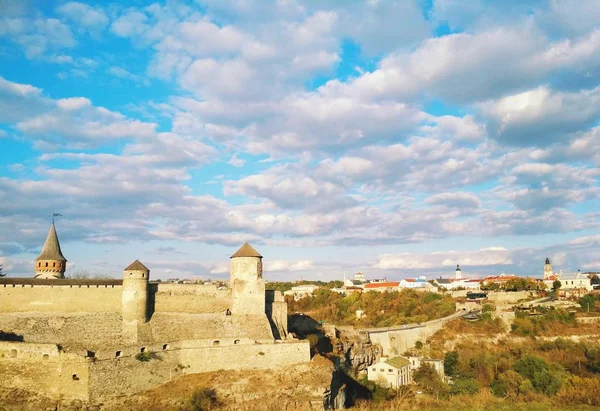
pixel 54 264
pixel 216 342
pixel 236 342
pixel 46 264
pixel 39 264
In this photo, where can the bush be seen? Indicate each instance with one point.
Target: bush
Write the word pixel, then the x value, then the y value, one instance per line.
pixel 450 363
pixel 144 356
pixel 202 399
pixel 468 386
pixel 544 379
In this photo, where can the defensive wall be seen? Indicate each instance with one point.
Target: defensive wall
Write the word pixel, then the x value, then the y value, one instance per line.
pixel 92 296
pixel 501 297
pixel 396 340
pixel 97 376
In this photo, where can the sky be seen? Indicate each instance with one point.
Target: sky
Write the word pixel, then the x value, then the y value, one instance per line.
pixel 395 138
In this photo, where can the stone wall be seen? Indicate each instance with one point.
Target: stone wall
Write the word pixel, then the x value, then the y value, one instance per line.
pixel 84 329
pixel 189 298
pixel 177 326
pixel 509 297
pixel 60 298
pixel 277 313
pixel 397 341
pixel 114 377
pixel 42 368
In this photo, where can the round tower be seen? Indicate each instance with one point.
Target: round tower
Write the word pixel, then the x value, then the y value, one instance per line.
pixel 458 273
pixel 51 263
pixel 548 269
pixel 134 299
pixel 247 284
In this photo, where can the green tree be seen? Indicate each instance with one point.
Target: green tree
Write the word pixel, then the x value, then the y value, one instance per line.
pixel 556 285
pixel 428 378
pixel 587 302
pixel 450 362
pixel 543 378
pixel 468 386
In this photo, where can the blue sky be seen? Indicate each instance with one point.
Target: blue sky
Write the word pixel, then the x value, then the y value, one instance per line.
pixel 396 138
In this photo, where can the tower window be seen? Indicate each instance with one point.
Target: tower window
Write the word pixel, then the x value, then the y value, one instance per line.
pixel 236 342
pixel 75 377
pixel 53 264
pixel 143 275
pixel 39 264
pixel 46 264
pixel 165 346
pixel 216 342
pixel 118 354
pixel 143 349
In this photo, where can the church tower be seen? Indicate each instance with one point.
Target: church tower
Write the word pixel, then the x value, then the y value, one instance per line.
pixel 51 263
pixel 134 299
pixel 247 284
pixel 548 269
pixel 458 273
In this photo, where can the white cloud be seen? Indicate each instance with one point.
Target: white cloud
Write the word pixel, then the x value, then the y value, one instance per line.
pixel 73 103
pixel 88 18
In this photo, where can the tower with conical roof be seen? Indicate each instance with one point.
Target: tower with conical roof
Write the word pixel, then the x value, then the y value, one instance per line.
pixel 134 299
pixel 247 284
pixel 548 269
pixel 51 263
pixel 457 273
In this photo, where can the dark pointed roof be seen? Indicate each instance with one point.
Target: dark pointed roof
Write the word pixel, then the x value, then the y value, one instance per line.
pixel 246 251
pixel 51 249
pixel 457 267
pixel 547 260
pixel 136 266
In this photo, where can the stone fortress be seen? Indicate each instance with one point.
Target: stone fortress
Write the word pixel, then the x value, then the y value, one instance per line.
pixel 92 340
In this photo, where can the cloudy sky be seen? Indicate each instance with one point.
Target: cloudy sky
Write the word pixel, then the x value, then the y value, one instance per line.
pixel 396 138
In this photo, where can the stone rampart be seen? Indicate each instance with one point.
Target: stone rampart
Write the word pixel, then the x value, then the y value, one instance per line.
pixel 180 326
pixel 396 341
pixel 80 329
pixel 190 298
pixel 42 368
pixel 64 298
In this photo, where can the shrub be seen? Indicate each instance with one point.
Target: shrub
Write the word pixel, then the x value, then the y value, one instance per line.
pixel 450 363
pixel 202 399
pixel 468 386
pixel 146 356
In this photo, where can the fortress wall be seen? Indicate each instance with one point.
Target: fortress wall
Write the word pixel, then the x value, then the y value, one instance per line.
pixel 178 326
pixel 41 368
pixel 90 329
pixel 190 298
pixel 508 297
pixel 59 298
pixel 126 375
pixel 248 356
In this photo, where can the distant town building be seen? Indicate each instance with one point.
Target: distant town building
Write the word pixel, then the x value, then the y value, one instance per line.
pixel 548 269
pixel 382 287
pixel 457 273
pixel 392 372
pixel 300 291
pixel 576 280
pixel 437 365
